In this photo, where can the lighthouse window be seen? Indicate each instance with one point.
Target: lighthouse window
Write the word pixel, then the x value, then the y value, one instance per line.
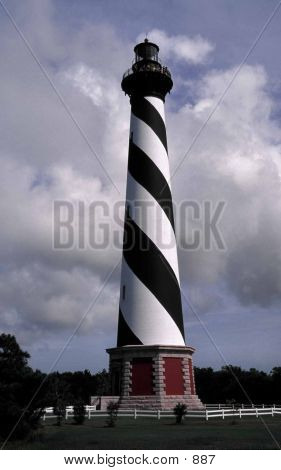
pixel 124 292
pixel 128 210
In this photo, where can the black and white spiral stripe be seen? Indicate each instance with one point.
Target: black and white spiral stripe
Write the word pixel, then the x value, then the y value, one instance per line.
pixel 150 301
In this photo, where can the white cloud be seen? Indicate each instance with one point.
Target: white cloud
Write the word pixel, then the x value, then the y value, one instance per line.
pixel 95 86
pixel 236 159
pixel 193 50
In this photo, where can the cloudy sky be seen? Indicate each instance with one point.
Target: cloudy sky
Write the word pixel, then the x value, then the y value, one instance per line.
pixel 65 137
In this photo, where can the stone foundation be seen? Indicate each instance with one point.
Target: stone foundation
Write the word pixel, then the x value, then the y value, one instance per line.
pixel 101 402
pixel 169 368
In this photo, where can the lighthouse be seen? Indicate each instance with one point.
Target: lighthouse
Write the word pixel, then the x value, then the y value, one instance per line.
pixel 151 365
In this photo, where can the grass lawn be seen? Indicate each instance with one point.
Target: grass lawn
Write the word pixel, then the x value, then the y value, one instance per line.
pixel 147 433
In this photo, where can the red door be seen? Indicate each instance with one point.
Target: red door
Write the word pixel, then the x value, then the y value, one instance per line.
pixel 142 377
pixel 174 376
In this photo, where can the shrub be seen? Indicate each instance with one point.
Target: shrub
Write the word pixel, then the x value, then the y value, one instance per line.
pixel 180 411
pixel 112 411
pixel 59 411
pixel 79 411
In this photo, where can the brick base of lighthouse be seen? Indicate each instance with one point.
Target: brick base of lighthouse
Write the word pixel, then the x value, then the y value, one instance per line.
pixel 153 377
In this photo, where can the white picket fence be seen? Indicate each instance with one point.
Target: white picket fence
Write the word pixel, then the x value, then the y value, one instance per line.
pixel 206 414
pixel 224 406
pixel 69 412
pixel 225 413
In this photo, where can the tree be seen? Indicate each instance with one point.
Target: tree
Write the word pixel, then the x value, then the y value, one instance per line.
pixel 276 384
pixel 234 383
pixel 81 384
pixel 12 357
pixel 205 384
pixel 58 395
pixel 59 411
pixel 103 383
pixel 19 384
